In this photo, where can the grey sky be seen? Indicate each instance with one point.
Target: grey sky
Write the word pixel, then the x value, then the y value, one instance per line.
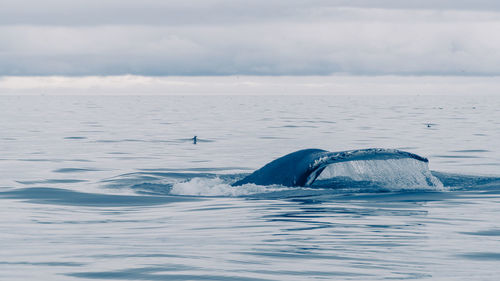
pixel 209 37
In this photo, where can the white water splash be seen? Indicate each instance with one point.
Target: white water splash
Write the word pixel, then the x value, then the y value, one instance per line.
pixel 217 187
pixel 395 174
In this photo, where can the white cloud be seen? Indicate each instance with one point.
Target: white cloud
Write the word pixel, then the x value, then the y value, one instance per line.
pixel 255 85
pixel 318 48
pixel 161 12
pixel 219 37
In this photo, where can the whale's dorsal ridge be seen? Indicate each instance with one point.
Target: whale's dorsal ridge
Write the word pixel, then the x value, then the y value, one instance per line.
pixel 290 170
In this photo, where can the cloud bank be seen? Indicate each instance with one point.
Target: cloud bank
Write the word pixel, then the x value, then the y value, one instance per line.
pixel 250 85
pixel 271 38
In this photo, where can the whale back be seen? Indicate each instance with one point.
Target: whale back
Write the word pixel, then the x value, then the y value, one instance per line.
pixel 301 168
pixel 290 170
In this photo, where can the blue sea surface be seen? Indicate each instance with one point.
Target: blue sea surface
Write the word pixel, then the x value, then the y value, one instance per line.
pixel 113 188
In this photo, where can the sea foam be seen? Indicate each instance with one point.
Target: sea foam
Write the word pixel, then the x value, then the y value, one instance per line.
pixel 219 187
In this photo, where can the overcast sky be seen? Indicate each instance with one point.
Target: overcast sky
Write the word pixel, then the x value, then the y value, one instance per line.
pixel 218 37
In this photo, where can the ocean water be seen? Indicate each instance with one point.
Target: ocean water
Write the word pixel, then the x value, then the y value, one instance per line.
pixel 112 188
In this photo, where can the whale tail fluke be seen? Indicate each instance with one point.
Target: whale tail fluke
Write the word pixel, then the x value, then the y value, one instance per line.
pixel 320 168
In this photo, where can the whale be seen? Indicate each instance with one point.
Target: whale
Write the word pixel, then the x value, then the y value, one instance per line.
pixel 309 167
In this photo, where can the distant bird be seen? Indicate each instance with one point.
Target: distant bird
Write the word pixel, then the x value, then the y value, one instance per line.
pixel 195 138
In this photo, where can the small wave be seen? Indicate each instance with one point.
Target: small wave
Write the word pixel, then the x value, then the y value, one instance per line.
pixel 75 138
pixel 369 177
pixel 219 187
pixel 59 196
pixel 467 182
